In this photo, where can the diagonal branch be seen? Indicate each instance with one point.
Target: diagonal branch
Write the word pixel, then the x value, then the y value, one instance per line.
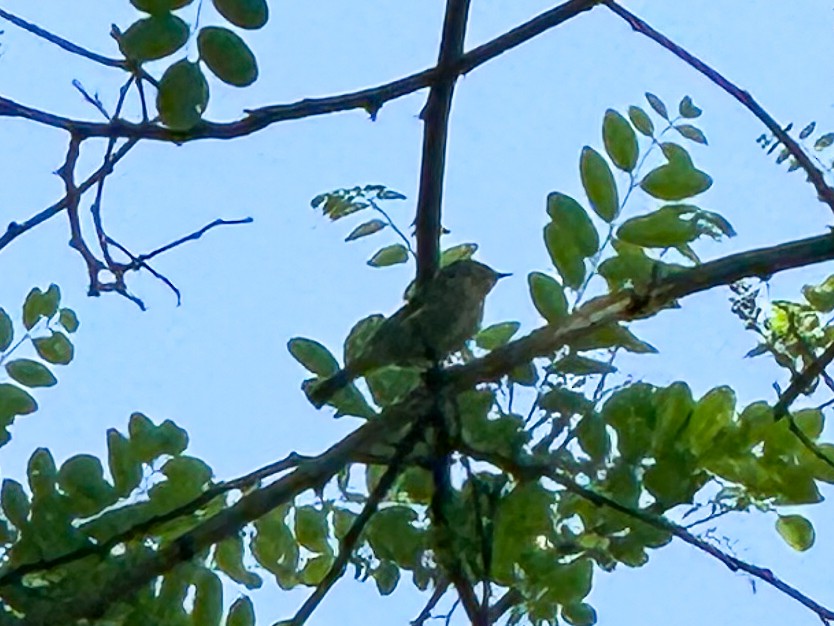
pixel 628 304
pixel 348 543
pixel 61 42
pixel 825 193
pixel 93 602
pixel 436 120
pixel 534 471
pixel 15 229
pixel 370 100
pixel 623 305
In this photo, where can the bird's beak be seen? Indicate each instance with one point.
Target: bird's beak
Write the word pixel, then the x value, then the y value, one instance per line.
pixel 500 275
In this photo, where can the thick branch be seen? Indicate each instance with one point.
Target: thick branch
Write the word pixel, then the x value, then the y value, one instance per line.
pixel 628 304
pixel 370 100
pixel 91 603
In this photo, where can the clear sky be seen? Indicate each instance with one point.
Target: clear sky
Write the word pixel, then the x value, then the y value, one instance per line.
pixel 218 365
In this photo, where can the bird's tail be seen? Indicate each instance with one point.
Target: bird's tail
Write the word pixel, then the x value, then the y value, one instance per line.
pixel 319 393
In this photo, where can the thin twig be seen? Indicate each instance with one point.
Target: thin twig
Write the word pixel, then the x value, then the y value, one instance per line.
pixel 15 229
pixel 439 591
pixel 63 43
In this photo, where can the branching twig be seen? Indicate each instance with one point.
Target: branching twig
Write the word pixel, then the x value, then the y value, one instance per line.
pixel 825 193
pixel 15 229
pixel 370 100
pixel 534 471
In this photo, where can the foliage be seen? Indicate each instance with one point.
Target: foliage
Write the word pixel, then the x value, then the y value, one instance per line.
pixel 518 465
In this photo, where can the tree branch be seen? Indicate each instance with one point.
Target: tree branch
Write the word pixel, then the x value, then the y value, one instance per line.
pixel 534 471
pixel 435 134
pixel 370 100
pixel 825 193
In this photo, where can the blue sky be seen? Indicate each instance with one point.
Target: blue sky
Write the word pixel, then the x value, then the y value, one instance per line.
pixel 218 365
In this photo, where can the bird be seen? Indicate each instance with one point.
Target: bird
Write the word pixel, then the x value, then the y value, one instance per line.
pixel 436 321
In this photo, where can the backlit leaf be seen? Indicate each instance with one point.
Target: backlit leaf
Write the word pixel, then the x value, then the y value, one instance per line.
pixel 599 184
pixel 620 140
pixel 313 356
pixel 227 56
pixel 30 373
pixel 183 95
pixel 797 531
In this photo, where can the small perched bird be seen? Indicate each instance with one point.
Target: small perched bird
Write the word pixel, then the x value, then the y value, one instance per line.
pixel 435 322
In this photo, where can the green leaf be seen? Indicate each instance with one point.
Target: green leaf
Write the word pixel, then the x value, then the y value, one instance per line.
pixel 417 484
pixel 610 336
pixel 227 56
pixel 691 132
pixel 674 405
pixel 525 374
pixel 15 502
pixel 313 356
pixel 663 228
pixel 389 384
pixel 579 614
pixel 821 296
pixel 30 373
pixel 41 473
pixel 251 14
pixel 368 228
pixel 642 122
pixel 824 141
pixel 56 348
pixel 15 401
pixel 149 441
pixel 573 219
pixel 275 548
pixel 6 330
pixel 154 37
pixel 40 304
pixel 593 436
pixel 566 257
pixel 459 252
pixel 68 319
pixel 599 184
pixel 342 521
pixel 711 415
pixel 657 104
pixel 565 402
pixel 81 477
pixel 675 182
pixel 386 577
pixel 497 335
pixel 183 96
pixel 393 537
pixel 806 132
pixel 228 556
pixel 797 531
pixel 311 529
pixel 579 365
pixel 620 141
pixel 687 109
pixel 208 599
pixel 241 613
pixel 125 468
pixel 389 255
pixel 315 570
pixel 155 7
pixel 548 297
